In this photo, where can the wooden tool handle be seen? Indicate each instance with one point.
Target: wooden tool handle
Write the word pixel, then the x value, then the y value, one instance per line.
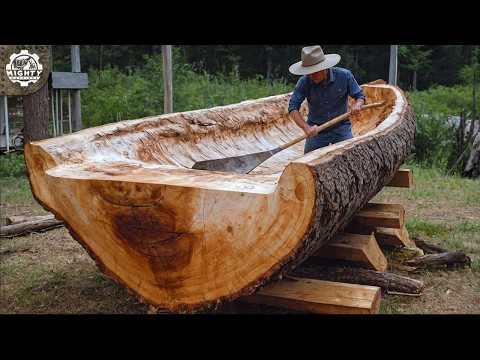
pixel 330 123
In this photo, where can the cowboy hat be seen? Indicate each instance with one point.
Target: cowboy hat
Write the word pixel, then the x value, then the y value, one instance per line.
pixel 313 60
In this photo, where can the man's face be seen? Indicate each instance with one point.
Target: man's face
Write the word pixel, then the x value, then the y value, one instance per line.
pixel 319 76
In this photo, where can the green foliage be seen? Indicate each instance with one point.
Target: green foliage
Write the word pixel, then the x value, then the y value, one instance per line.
pixel 12 165
pixel 114 95
pixel 414 57
pixel 466 74
pixel 435 143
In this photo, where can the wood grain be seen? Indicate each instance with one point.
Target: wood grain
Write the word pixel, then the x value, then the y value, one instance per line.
pixel 403 178
pixel 319 296
pixel 186 239
pixel 381 215
pixel 361 249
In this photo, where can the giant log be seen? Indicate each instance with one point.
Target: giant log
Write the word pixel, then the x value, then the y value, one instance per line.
pixel 186 239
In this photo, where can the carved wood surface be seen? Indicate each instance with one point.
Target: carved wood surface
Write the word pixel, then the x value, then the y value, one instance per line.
pixel 187 239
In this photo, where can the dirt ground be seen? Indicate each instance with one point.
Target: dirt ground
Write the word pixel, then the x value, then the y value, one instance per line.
pixel 50 273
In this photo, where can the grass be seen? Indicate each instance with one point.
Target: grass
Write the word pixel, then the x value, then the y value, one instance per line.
pixel 51 273
pixel 463 236
pixel 16 191
pixel 444 210
pixel 432 185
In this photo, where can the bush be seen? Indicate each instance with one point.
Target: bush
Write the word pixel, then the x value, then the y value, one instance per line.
pixel 12 165
pixel 435 142
pixel 113 95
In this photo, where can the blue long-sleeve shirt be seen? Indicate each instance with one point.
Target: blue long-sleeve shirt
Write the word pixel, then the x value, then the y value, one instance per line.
pixel 326 100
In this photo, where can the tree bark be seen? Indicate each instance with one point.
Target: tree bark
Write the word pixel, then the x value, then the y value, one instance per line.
pixel 385 280
pixel 427 247
pixel 268 50
pixel 100 60
pixel 36 115
pixel 435 260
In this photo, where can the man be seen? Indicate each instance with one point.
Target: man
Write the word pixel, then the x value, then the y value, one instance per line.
pixel 326 89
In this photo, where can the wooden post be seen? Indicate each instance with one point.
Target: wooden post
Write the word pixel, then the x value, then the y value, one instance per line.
pixel 167 78
pixel 76 103
pixel 57 116
pixel 392 77
pixel 69 111
pixel 4 120
pixel 61 111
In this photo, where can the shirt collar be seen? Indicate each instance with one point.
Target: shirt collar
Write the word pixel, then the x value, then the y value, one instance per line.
pixel 331 77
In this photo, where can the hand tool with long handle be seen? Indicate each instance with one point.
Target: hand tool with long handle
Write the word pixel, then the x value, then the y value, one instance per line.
pixel 245 163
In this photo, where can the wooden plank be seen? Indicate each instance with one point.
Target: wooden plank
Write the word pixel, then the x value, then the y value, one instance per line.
pixel 319 296
pixel 393 237
pixel 403 178
pixel 362 249
pixel 381 215
pixel 386 236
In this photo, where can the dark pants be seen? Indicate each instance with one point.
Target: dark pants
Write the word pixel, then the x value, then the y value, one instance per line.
pixel 327 137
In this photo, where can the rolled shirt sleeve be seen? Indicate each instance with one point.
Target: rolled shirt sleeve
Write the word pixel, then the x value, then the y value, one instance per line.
pixel 298 96
pixel 354 90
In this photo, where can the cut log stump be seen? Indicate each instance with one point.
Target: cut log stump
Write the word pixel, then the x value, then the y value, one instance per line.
pixel 403 178
pixel 361 249
pixel 318 296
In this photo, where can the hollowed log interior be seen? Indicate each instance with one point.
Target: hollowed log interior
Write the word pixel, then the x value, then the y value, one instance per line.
pixel 185 239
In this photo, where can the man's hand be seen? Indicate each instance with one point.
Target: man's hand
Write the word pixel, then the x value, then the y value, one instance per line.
pixel 310 130
pixel 307 129
pixel 356 107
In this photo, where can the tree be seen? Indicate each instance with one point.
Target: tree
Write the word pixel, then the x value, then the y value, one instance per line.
pixel 414 58
pixel 473 138
pixel 36 115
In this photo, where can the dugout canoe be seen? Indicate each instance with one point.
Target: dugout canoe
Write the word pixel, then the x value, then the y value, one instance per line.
pixel 185 239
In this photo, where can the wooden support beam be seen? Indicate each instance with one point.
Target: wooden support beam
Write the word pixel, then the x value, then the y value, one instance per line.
pixel 403 178
pixel 319 296
pixel 393 237
pixel 381 215
pixel 386 236
pixel 361 249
